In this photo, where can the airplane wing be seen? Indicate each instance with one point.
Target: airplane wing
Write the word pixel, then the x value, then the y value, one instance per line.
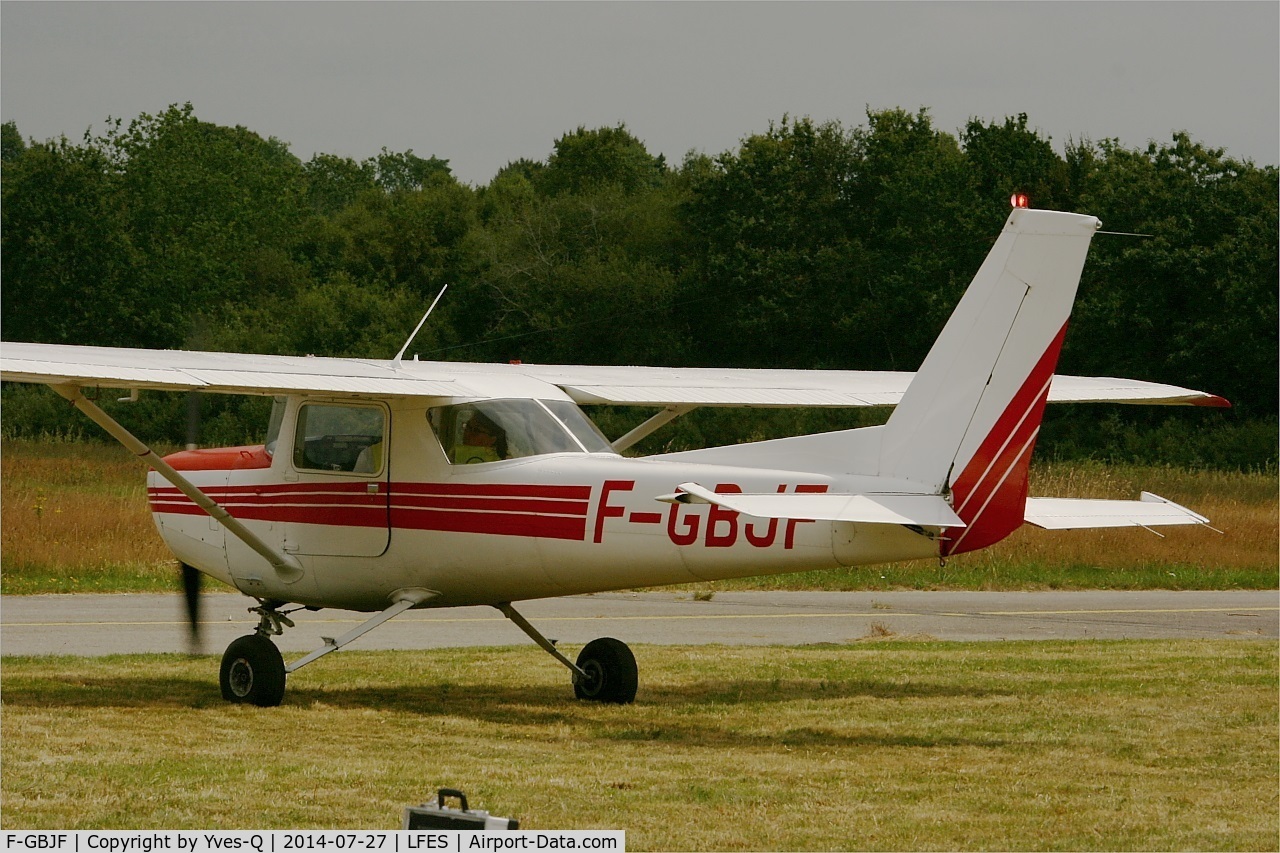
pixel 1081 513
pixel 665 386
pixel 237 373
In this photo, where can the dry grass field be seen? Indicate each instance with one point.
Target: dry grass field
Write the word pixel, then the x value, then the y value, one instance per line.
pixel 877 745
pixel 75 518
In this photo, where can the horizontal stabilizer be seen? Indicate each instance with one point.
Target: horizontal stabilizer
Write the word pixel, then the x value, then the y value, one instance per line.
pixel 920 510
pixel 1077 514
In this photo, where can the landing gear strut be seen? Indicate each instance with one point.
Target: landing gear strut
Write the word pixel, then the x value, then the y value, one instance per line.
pixel 605 670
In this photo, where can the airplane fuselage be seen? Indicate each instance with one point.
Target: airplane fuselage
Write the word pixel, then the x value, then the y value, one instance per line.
pixel 533 527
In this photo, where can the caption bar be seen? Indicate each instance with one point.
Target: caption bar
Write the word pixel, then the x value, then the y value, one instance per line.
pixel 323 840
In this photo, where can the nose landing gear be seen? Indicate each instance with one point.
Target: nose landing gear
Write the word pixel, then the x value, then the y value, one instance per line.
pixel 253 672
pixel 252 669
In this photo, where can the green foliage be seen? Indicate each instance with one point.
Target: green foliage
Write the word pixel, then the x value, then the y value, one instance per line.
pixel 333 183
pixel 775 254
pixel 12 145
pixel 203 204
pixel 572 276
pixel 1194 439
pixel 589 159
pixel 70 269
pixel 809 245
pixel 1195 303
pixel 1009 158
pixel 406 171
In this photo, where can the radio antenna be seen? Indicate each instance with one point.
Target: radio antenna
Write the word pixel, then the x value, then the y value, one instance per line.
pixel 418 328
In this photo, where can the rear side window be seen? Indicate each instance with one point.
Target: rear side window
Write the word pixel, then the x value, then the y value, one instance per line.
pixel 278 407
pixel 331 437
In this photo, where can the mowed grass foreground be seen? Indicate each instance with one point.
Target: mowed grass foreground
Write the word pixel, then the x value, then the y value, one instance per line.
pixel 75 519
pixel 900 745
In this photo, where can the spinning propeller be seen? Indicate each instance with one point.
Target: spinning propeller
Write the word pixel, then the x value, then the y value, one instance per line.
pixel 191 578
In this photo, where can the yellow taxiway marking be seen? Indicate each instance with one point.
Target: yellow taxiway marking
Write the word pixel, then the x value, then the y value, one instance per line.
pixel 1132 610
pixel 675 617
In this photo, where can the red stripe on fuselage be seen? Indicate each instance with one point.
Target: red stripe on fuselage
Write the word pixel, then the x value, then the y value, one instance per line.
pixel 517 490
pixel 497 523
pixel 554 512
pixel 550 507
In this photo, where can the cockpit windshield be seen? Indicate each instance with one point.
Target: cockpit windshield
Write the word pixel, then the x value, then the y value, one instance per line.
pixel 582 427
pixel 493 430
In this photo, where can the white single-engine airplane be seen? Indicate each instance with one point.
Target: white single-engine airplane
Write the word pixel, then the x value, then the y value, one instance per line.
pixel 390 485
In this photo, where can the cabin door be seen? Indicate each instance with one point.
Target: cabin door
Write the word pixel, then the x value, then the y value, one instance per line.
pixel 336 497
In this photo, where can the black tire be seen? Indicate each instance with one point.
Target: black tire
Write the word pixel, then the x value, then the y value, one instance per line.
pixel 253 672
pixel 611 672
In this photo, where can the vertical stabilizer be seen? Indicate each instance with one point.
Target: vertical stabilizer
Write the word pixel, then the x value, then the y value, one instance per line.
pixel 969 420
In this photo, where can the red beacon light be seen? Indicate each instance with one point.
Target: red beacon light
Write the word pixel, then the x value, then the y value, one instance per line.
pixel 1019 200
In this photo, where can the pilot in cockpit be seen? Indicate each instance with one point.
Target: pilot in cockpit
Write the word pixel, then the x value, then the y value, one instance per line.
pixel 482 441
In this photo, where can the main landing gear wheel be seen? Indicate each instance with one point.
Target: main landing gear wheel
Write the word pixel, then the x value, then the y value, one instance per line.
pixel 253 672
pixel 611 672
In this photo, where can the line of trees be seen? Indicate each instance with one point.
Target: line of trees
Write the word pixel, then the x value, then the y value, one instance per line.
pixel 813 245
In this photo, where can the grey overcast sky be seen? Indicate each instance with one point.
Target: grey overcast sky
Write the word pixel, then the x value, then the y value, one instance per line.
pixel 482 84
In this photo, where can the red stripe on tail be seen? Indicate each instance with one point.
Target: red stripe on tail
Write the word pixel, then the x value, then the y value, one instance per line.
pixel 990 494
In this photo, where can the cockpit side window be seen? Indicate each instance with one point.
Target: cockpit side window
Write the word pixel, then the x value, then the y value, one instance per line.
pixel 494 430
pixel 468 435
pixel 332 437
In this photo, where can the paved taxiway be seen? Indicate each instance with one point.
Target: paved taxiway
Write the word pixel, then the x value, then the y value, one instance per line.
pixel 111 624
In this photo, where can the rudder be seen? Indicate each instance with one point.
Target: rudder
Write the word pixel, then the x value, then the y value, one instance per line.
pixel 969 420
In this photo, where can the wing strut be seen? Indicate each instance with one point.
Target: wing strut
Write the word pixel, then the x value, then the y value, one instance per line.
pixel 286 566
pixel 652 425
